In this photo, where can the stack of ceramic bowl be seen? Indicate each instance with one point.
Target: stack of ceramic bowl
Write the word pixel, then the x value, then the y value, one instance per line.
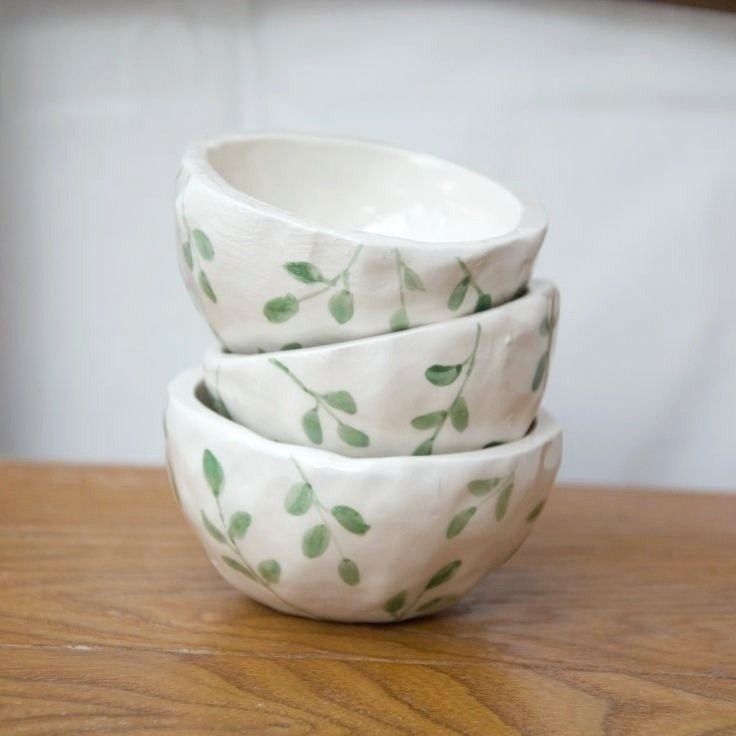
pixel 365 443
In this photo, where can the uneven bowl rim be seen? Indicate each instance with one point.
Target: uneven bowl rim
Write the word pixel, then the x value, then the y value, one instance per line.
pixel 181 394
pixel 532 224
pixel 536 287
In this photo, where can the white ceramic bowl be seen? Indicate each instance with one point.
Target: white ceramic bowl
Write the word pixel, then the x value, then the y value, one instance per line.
pixel 446 387
pixel 316 534
pixel 296 239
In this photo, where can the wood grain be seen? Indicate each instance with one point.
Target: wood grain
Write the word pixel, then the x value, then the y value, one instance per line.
pixel 617 617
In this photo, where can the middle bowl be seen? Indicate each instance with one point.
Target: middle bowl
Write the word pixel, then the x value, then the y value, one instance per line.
pixel 446 387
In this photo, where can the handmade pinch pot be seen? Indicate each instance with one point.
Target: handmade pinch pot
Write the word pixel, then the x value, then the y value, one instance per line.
pixel 316 534
pixel 447 387
pixel 288 239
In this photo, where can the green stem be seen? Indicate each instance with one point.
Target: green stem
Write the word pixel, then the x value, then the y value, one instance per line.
pixel 471 279
pixel 399 263
pixel 331 283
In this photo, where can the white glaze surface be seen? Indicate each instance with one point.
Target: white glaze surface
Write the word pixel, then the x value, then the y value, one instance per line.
pixel 492 398
pixel 414 542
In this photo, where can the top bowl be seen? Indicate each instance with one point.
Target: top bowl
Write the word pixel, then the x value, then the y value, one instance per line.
pixel 289 239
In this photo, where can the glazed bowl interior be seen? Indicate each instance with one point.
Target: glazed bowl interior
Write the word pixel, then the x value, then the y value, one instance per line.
pixel 354 186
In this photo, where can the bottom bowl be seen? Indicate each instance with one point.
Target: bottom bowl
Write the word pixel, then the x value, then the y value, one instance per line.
pixel 316 534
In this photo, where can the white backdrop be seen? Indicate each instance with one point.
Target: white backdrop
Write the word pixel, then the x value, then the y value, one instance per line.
pixel 620 117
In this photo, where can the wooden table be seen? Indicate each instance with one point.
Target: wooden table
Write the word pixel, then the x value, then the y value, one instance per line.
pixel 618 616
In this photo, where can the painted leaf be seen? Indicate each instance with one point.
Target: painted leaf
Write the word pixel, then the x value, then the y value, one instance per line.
pixel 312 426
pixel 412 280
pixel 292 346
pixel 483 486
pixel 350 519
pixel 534 513
pixel 204 284
pixel 213 472
pixel 443 574
pixel 424 448
pixel 484 302
pixel 305 272
pixel 348 572
pixel 341 306
pixel 203 245
pixel 427 421
pixel 342 401
pixel 460 521
pixel 540 371
pixel 458 293
pixel 299 499
pixel 502 502
pixel 459 415
pixel 436 603
pixel 239 523
pixel 230 562
pixel 315 541
pixel 212 529
pixel 353 437
pixel 399 320
pixel 442 375
pixel 186 248
pixel 395 603
pixel 281 308
pixel 269 570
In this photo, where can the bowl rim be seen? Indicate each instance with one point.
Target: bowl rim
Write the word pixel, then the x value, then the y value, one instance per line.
pixel 532 224
pixel 535 288
pixel 182 392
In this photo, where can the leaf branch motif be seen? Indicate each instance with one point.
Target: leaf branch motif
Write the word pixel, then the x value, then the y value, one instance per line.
pixel 547 329
pixel 484 489
pixel 340 305
pixel 300 499
pixel 407 279
pixel 399 607
pixel 266 573
pixel 457 411
pixel 457 296
pixel 329 402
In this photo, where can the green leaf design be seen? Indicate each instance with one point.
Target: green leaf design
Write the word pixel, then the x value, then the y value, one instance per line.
pixel 436 603
pixel 213 472
pixel 270 571
pixel 292 346
pixel 399 320
pixel 239 523
pixel 412 280
pixel 305 272
pixel 460 521
pixel 540 371
pixel 458 294
pixel 424 448
pixel 204 284
pixel 502 503
pixel 534 513
pixel 442 375
pixel 484 302
pixel 315 541
pixel 281 308
pixel 459 415
pixel 341 306
pixel 396 603
pixel 348 572
pixel 312 426
pixel 443 574
pixel 203 245
pixel 350 519
pixel 299 499
pixel 342 401
pixel 230 562
pixel 186 248
pixel 352 436
pixel 212 529
pixel 427 421
pixel 483 486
